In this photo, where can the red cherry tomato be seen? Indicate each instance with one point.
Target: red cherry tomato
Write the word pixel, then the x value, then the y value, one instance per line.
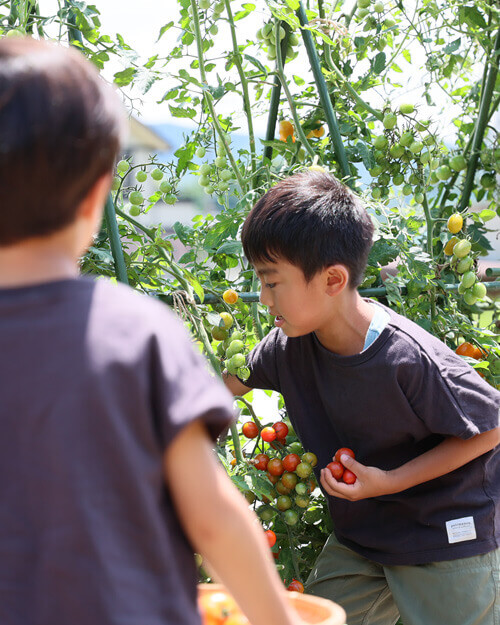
pixel 343 450
pixel 274 479
pixel 261 461
pixel 268 434
pixel 348 477
pixel 250 429
pixel 271 537
pixel 296 586
pixel 291 462
pixel 275 467
pixel 336 469
pixel 281 429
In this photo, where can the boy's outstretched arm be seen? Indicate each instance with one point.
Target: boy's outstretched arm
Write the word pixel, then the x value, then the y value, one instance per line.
pixel 235 385
pixel 449 455
pixel 217 521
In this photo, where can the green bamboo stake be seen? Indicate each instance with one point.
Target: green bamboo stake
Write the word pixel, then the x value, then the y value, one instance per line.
pixel 484 111
pixel 324 96
pixel 109 208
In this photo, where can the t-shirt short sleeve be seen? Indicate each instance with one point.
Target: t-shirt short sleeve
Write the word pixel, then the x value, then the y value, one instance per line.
pixel 183 386
pixel 452 399
pixel 262 362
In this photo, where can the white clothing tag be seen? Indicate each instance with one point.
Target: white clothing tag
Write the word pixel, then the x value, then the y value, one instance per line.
pixel 461 529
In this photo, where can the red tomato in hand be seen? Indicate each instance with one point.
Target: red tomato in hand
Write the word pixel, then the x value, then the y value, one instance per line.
pixel 296 586
pixel 250 429
pixel 336 469
pixel 348 477
pixel 291 462
pixel 268 434
pixel 261 461
pixel 343 450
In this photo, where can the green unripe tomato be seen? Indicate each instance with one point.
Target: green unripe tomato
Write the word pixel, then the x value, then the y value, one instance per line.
pixel 407 189
pixel 461 289
pixel 141 176
pixel 458 163
pixel 462 248
pixel 389 22
pixel 479 290
pixel 416 147
pixel 222 186
pixel 464 264
pixel 227 318
pixel 301 488
pixel 362 13
pixel 136 198
pixel 384 179
pixel 205 169
pixel 419 198
pixel 220 162
pixel 302 501
pixel 283 503
pixel 170 198
pixel 443 172
pixel 406 108
pixel 381 157
pixel 293 39
pixel 165 186
pixel 204 4
pixel 390 120
pixel 304 469
pixel 115 185
pixel 406 139
pixel 236 336
pixel 469 298
pixel 203 181
pixel 214 29
pixel 238 360
pixel 376 193
pixel 363 4
pixel 219 334
pixel 221 350
pixel 209 189
pixel 157 174
pixel 398 179
pixel 235 347
pixel 243 373
pixel 378 7
pixel 488 181
pixel 265 513
pixel 376 171
pixel 414 179
pixel 380 142
pixel 290 517
pixel 219 7
pixel 468 279
pixel 226 174
pixel 123 166
pixel 396 150
pixel 200 152
pixel 425 157
pixel 134 211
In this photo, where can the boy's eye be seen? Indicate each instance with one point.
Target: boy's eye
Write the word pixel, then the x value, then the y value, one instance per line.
pixel 270 286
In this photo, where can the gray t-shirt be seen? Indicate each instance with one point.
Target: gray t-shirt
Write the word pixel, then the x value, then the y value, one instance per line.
pixel 95 382
pixel 392 402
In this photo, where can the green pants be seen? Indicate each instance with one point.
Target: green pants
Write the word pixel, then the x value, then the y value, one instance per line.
pixel 455 592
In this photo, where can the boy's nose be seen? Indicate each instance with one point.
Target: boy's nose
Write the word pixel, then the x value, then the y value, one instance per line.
pixel 264 298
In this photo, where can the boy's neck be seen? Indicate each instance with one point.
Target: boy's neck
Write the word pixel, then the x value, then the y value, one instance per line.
pixel 346 333
pixel 36 261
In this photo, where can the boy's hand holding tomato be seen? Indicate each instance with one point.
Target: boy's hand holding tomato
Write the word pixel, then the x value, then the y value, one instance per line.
pixel 346 478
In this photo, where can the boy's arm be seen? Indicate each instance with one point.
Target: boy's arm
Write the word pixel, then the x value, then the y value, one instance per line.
pixel 217 521
pixel 235 385
pixel 449 455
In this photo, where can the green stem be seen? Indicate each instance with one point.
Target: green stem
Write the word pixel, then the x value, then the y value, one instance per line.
pixel 324 96
pixel 484 111
pixel 115 241
pixel 293 551
pixel 430 250
pixel 236 442
pixel 208 96
pixel 244 85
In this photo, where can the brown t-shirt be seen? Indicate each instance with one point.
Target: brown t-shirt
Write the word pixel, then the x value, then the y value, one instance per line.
pixel 95 382
pixel 390 403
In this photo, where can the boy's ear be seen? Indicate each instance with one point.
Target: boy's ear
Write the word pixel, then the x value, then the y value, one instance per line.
pixel 92 204
pixel 337 279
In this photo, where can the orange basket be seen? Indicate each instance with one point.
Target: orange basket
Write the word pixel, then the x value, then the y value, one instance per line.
pixel 312 610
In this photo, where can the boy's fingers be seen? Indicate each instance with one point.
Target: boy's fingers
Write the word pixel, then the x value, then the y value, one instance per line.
pixel 351 464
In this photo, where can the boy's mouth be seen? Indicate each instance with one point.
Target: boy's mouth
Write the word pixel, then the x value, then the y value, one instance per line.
pixel 279 321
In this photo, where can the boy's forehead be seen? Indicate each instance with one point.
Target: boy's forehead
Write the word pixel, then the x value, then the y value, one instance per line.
pixel 265 269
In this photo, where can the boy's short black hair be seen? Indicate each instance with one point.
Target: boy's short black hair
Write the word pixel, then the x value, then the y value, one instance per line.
pixel 60 130
pixel 312 221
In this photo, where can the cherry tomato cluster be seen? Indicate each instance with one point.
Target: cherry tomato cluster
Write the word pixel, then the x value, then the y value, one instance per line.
pixel 337 469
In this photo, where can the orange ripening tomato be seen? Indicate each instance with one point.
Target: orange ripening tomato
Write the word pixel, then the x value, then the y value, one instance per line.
pixel 261 461
pixel 271 537
pixel 268 434
pixel 286 130
pixel 319 132
pixel 296 586
pixel 230 296
pixel 470 350
pixel 275 467
pixel 216 607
